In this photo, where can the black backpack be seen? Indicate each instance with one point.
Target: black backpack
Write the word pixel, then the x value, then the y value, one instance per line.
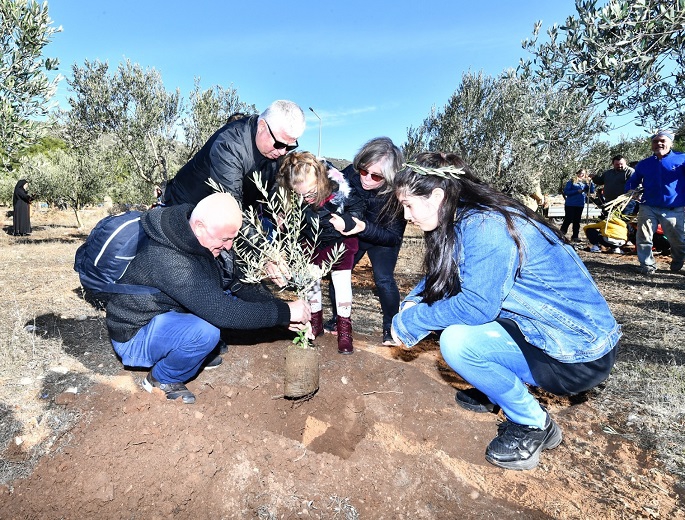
pixel 105 255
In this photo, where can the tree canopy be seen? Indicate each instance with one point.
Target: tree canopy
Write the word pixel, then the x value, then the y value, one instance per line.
pixel 628 54
pixel 210 110
pixel 514 132
pixel 131 107
pixel 25 88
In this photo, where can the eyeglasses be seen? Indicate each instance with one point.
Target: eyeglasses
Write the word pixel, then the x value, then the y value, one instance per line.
pixel 375 176
pixel 310 195
pixel 278 144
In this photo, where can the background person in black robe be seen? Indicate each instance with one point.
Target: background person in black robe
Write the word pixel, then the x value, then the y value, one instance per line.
pixel 21 219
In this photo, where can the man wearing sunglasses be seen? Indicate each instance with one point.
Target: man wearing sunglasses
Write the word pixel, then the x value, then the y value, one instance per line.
pixel 236 151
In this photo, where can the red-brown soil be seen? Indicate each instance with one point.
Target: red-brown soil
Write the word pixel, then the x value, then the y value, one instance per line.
pixel 381 439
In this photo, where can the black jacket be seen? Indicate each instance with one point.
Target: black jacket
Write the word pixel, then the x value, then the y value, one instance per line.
pixel 382 227
pixel 230 157
pixel 189 280
pixel 344 201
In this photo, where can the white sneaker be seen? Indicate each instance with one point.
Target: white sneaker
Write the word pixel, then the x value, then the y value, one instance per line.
pixel 617 251
pixel 595 249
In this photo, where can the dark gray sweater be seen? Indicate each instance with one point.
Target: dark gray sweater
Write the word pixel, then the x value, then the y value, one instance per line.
pixel 189 279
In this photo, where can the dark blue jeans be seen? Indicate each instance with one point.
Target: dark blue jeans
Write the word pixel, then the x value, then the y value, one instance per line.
pixel 174 344
pixel 572 217
pixel 383 261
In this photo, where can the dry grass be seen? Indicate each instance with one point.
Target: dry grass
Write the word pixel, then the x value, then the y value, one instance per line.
pixel 38 282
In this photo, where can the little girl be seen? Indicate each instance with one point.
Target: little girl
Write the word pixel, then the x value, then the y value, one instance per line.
pixel 328 197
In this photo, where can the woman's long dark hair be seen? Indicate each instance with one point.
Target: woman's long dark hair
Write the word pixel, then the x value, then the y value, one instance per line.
pixel 463 193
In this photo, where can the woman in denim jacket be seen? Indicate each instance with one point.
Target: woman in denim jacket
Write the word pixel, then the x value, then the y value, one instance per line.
pixel 515 304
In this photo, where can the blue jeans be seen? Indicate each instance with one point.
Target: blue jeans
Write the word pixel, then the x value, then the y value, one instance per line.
pixel 672 223
pixel 383 261
pixel 488 358
pixel 174 344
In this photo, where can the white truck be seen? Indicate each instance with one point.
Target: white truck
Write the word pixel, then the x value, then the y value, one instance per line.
pixel 556 212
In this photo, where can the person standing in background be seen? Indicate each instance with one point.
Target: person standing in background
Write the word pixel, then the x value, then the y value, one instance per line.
pixel 614 180
pixel 21 216
pixel 576 192
pixel 663 201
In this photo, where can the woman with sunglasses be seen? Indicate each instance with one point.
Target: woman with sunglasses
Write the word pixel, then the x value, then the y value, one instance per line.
pixel 514 303
pixel 379 229
pixel 326 196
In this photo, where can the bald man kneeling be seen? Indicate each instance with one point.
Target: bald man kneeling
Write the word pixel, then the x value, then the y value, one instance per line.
pixel 176 330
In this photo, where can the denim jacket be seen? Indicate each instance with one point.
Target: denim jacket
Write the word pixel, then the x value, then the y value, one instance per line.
pixel 551 295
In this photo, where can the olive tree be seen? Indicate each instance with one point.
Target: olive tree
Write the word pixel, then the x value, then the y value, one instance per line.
pixel 513 132
pixel 67 178
pixel 25 87
pixel 626 54
pixel 209 110
pixel 132 109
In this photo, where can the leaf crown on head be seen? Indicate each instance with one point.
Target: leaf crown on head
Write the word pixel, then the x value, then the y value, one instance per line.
pixel 446 172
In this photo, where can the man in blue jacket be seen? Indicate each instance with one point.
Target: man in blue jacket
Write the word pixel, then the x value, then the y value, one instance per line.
pixel 662 177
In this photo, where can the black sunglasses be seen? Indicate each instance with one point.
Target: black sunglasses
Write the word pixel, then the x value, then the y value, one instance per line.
pixel 279 145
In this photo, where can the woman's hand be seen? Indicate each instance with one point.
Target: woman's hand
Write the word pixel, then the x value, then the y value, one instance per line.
pixel 359 226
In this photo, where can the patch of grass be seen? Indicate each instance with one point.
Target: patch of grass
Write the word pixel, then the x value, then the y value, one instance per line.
pixel 645 394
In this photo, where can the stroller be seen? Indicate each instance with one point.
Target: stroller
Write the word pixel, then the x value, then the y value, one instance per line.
pixel 626 208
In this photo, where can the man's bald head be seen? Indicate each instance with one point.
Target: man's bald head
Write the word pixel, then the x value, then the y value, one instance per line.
pixel 215 221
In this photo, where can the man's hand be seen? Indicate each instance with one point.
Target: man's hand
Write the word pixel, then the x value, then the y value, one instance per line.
pixel 278 273
pixel 300 313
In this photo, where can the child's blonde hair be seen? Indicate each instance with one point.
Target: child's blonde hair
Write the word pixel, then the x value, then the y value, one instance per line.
pixel 294 170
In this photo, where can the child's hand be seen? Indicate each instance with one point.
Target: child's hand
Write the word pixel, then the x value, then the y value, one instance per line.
pixel 337 222
pixel 278 273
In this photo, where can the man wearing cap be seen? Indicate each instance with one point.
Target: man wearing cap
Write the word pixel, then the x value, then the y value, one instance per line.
pixel 235 152
pixel 662 177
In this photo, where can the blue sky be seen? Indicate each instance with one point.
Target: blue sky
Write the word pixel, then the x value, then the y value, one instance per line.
pixel 368 68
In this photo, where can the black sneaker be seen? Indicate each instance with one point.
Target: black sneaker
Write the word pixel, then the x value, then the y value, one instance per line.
pixel 172 390
pixel 223 348
pixel 518 447
pixel 474 400
pixel 213 362
pixel 331 326
pixel 387 339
